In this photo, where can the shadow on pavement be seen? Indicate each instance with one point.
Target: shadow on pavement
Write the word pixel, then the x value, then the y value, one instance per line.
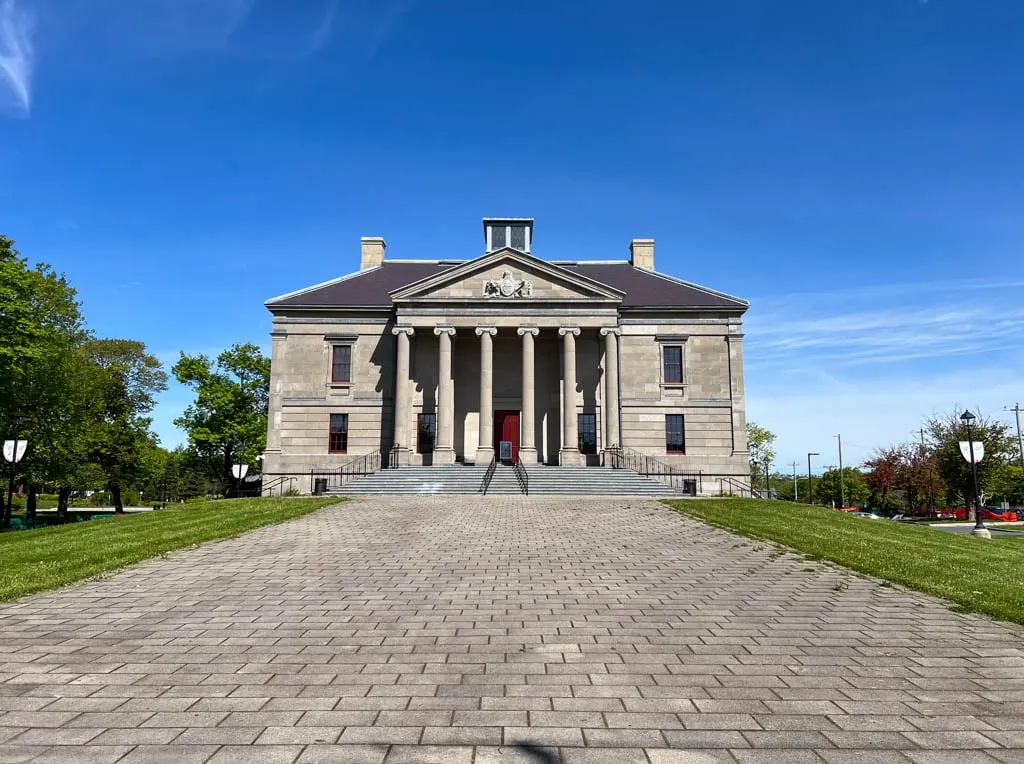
pixel 542 755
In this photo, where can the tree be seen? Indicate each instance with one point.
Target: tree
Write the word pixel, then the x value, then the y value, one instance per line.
pixel 760 444
pixel 227 421
pixel 41 328
pixel 944 432
pixel 885 470
pixel 129 380
pixel 827 488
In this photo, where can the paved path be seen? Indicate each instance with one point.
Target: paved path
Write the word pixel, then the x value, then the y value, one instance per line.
pixel 501 630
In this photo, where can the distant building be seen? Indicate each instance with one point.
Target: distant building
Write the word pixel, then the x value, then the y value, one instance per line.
pixel 553 361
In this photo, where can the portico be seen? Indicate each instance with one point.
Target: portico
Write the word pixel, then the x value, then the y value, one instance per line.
pixel 459 415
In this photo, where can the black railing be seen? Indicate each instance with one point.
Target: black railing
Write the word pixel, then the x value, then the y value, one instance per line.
pixel 393 458
pixel 488 476
pixel 323 480
pixel 522 476
pixel 734 487
pixel 282 485
pixel 626 458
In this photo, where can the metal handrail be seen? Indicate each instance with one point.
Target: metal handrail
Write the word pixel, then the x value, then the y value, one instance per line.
pixel 738 488
pixel 367 464
pixel 522 476
pixel 393 458
pixel 268 489
pixel 624 457
pixel 488 476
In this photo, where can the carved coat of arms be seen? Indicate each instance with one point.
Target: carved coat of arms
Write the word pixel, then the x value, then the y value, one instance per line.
pixel 508 286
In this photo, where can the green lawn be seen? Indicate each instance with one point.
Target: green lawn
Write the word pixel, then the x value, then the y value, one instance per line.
pixel 31 561
pixel 980 576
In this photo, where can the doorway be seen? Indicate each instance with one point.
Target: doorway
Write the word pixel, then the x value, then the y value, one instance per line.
pixel 506 427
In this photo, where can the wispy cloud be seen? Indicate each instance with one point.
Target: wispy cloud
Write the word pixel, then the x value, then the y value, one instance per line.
pixel 16 53
pixel 886 324
pixel 872 363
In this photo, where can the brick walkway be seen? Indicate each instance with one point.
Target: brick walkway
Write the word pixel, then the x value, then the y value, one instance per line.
pixel 506 629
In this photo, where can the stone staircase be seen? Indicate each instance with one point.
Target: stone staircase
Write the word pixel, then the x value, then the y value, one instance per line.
pixel 459 479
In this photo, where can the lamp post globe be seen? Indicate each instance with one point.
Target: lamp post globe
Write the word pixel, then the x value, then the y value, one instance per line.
pixel 13 451
pixel 979 526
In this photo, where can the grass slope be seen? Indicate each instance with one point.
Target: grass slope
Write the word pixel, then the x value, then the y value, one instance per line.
pixel 32 561
pixel 980 576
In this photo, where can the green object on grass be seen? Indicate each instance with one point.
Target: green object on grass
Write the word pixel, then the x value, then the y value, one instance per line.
pixel 980 576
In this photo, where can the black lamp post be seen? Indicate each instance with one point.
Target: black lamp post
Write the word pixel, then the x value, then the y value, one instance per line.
pixel 17 421
pixel 810 480
pixel 767 481
pixel 979 527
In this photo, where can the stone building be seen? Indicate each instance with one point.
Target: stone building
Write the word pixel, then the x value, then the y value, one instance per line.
pixel 508 354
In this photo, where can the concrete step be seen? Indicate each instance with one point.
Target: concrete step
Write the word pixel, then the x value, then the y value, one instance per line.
pixel 543 480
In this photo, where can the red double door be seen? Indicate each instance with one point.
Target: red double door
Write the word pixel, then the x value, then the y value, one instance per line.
pixel 506 427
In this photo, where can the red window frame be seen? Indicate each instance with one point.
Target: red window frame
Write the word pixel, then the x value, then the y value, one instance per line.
pixel 672 368
pixel 337 439
pixel 675 434
pixel 341 368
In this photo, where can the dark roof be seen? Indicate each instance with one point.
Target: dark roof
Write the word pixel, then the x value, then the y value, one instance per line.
pixel 643 289
pixel 652 290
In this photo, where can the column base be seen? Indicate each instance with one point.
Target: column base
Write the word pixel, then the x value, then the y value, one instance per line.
pixel 484 455
pixel 528 456
pixel 571 457
pixel 444 456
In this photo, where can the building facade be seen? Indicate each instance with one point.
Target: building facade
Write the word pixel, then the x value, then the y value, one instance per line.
pixel 508 355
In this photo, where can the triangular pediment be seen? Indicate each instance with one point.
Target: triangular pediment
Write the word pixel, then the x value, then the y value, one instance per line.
pixel 507 275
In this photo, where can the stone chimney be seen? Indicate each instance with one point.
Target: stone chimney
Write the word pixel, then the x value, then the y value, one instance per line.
pixel 373 252
pixel 641 253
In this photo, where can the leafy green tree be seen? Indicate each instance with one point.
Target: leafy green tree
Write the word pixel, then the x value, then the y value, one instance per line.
pixel 41 327
pixel 827 488
pixel 944 432
pixel 227 421
pixel 760 444
pixel 130 378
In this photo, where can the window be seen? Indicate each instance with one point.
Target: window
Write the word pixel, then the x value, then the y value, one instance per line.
pixel 339 434
pixel 426 431
pixel 518 237
pixel 341 364
pixel 586 425
pixel 498 239
pixel 675 434
pixel 673 364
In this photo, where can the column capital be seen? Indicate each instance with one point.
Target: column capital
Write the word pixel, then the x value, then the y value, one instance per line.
pixel 482 330
pixel 734 337
pixel 396 330
pixel 573 330
pixel 524 330
pixel 606 330
pixel 449 330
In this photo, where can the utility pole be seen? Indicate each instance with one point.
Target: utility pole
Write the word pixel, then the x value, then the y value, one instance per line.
pixel 796 492
pixel 842 482
pixel 1020 439
pixel 931 482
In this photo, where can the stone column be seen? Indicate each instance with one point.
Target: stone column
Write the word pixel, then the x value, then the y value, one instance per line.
pixel 570 452
pixel 444 450
pixel 528 444
pixel 485 446
pixel 611 385
pixel 734 343
pixel 402 407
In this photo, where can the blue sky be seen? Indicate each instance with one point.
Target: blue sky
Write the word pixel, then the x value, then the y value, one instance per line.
pixel 852 167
